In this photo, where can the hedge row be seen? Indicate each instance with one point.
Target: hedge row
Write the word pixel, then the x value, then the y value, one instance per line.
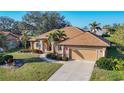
pixel 56 57
pixel 110 63
pixel 5 59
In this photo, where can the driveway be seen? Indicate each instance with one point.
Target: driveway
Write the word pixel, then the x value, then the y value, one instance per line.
pixel 74 71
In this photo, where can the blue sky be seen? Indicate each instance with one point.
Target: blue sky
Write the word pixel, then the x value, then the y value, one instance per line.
pixel 79 18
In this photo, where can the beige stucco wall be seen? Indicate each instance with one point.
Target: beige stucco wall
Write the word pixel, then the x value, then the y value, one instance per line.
pixel 43 45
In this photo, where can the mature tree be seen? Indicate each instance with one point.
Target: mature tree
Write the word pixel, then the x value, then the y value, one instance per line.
pixel 56 37
pixel 107 26
pixel 27 28
pixel 2 37
pixel 53 20
pixel 6 23
pixel 110 28
pixel 15 28
pixel 118 36
pixel 44 21
pixel 94 26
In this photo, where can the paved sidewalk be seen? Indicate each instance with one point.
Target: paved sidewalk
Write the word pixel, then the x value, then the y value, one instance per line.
pixel 74 71
pixel 43 57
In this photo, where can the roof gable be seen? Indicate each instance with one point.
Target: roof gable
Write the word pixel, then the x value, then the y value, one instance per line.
pixel 86 39
pixel 69 31
pixel 8 34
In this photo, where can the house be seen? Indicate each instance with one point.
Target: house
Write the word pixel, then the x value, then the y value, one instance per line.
pixel 10 41
pixel 79 45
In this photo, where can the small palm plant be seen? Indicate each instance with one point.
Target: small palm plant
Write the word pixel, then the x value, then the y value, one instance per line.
pixel 95 27
pixel 56 37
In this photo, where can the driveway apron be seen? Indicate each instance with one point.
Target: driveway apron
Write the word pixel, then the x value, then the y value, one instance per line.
pixel 74 71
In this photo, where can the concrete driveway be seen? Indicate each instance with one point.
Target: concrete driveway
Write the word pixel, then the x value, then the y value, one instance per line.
pixel 74 71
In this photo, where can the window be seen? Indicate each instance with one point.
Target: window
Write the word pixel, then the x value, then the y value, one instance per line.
pixel 100 51
pixel 38 45
pixel 59 48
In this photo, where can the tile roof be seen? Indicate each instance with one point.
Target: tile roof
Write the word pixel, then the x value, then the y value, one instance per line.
pixel 77 36
pixel 4 33
pixel 8 33
pixel 86 39
pixel 69 31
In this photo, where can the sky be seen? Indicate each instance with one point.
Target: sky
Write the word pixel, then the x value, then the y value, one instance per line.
pixel 79 18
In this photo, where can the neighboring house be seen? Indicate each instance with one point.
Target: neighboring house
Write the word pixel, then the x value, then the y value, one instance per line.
pixel 79 45
pixel 10 41
pixel 100 32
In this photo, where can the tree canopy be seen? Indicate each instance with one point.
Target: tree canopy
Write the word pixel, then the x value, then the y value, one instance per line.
pixel 118 36
pixel 6 23
pixel 34 23
pixel 44 21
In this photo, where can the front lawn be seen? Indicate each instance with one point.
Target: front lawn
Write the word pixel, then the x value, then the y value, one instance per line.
pixel 17 55
pixel 106 75
pixel 35 71
pixel 26 57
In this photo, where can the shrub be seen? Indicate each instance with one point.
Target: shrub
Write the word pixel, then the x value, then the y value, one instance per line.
pixel 106 35
pixel 110 63
pixel 25 50
pixel 65 58
pixel 37 51
pixel 59 58
pixel 1 59
pixel 51 55
pixel 8 58
pixel 105 63
pixel 56 57
pixel 119 64
pixel 48 55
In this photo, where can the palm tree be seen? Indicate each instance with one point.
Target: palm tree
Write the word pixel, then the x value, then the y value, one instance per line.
pixel 61 35
pixel 55 38
pixel 24 39
pixel 95 27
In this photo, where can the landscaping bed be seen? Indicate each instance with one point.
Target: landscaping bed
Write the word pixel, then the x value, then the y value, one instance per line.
pixel 110 68
pixel 57 57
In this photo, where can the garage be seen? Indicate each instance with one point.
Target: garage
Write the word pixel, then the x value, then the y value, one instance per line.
pixel 84 54
pixel 86 46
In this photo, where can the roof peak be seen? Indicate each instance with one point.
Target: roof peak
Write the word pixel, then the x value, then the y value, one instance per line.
pixel 86 39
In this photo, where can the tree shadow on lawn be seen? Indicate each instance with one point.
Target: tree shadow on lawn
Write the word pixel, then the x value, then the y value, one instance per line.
pixel 13 50
pixel 30 60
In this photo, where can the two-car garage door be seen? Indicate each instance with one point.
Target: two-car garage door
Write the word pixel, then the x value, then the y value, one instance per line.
pixel 86 54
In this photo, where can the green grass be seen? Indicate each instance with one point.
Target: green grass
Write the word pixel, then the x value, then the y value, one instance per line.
pixel 27 57
pixel 106 75
pixel 36 71
pixel 17 55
